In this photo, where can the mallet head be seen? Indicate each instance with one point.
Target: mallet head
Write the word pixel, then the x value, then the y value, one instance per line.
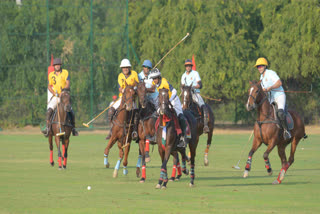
pixel 60 134
pixel 86 125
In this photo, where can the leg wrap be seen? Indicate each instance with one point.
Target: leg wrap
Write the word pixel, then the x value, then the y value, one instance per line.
pixel 248 165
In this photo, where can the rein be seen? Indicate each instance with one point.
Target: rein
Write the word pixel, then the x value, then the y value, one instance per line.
pixel 267 116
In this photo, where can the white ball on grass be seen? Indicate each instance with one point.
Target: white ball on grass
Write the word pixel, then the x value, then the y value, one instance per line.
pixel 89 187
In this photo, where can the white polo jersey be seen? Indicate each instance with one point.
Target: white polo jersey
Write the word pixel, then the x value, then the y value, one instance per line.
pixel 148 82
pixel 269 79
pixel 191 79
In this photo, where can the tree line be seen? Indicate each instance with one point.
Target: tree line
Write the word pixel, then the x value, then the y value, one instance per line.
pixel 226 38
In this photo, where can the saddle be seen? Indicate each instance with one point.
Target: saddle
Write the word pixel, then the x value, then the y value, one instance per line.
pixel 67 122
pixel 289 119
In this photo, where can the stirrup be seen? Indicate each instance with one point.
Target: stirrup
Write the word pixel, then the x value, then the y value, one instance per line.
pixel 286 135
pixel 46 132
pixel 75 132
pixel 134 135
pixel 206 129
pixel 182 142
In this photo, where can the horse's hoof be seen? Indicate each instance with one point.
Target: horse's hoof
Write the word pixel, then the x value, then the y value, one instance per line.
pixel 186 172
pixel 172 179
pixel 64 167
pixel 191 185
pixel 246 173
pixel 115 173
pixel 158 186
pixel 276 182
pixel 142 180
pixel 270 173
pixel 206 162
pixel 125 171
pixel 164 187
pixel 107 165
pixel 147 159
pixel 60 168
pixel 138 172
pixel 52 163
pixel 178 178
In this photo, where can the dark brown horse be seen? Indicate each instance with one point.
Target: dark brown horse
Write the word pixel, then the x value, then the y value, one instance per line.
pixel 62 121
pixel 122 130
pixel 167 138
pixel 188 103
pixel 146 131
pixel 267 131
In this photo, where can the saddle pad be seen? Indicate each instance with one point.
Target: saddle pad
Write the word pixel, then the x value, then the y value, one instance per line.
pixel 176 124
pixel 289 121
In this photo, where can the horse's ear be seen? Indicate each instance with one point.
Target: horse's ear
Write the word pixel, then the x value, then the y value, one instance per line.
pixel 259 82
pixel 250 82
pixel 126 84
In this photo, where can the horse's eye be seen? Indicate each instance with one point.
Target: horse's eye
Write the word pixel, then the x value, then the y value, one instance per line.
pixel 257 92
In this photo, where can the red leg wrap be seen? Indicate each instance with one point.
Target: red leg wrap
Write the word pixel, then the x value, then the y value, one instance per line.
pixel 179 169
pixel 51 156
pixel 144 171
pixel 147 146
pixel 174 169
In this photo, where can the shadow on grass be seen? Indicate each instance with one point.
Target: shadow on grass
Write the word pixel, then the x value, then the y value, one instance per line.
pixel 260 184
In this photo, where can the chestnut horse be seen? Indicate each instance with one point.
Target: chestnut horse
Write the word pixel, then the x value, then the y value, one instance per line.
pixel 122 130
pixel 146 131
pixel 64 107
pixel 167 123
pixel 188 103
pixel 267 131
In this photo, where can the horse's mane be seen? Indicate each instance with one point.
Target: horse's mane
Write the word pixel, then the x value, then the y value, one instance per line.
pixel 66 90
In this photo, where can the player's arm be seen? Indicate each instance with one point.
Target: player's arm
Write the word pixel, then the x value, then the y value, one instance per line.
pixel 51 89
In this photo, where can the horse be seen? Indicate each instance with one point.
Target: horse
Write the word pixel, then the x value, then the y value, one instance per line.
pixel 146 132
pixel 267 130
pixel 60 121
pixel 188 103
pixel 122 130
pixel 167 138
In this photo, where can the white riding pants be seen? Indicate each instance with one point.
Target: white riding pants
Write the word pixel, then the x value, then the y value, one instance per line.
pixel 196 97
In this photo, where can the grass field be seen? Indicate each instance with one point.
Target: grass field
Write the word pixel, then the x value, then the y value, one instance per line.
pixel 28 184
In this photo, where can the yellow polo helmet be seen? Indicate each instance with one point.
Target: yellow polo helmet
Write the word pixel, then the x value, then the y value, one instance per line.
pixel 261 61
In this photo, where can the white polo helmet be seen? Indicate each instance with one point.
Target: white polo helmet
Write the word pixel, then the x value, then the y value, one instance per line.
pixel 125 63
pixel 154 73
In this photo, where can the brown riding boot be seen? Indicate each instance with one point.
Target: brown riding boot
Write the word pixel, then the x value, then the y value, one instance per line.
pixel 110 115
pixel 205 119
pixel 48 117
pixel 135 126
pixel 73 123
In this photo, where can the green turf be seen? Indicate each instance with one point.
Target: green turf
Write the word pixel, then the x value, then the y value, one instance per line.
pixel 28 184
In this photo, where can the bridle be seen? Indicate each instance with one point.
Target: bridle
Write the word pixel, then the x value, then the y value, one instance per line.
pixel 255 104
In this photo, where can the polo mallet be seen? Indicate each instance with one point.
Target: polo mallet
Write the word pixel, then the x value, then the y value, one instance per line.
pixel 87 124
pixel 172 49
pixel 126 144
pixel 61 133
pixel 237 166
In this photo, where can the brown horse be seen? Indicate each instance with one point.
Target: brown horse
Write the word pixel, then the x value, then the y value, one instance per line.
pixel 65 124
pixel 267 131
pixel 146 131
pixel 122 130
pixel 188 103
pixel 167 138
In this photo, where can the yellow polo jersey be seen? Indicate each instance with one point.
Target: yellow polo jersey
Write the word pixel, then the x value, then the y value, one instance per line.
pixel 165 84
pixel 59 82
pixel 130 80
